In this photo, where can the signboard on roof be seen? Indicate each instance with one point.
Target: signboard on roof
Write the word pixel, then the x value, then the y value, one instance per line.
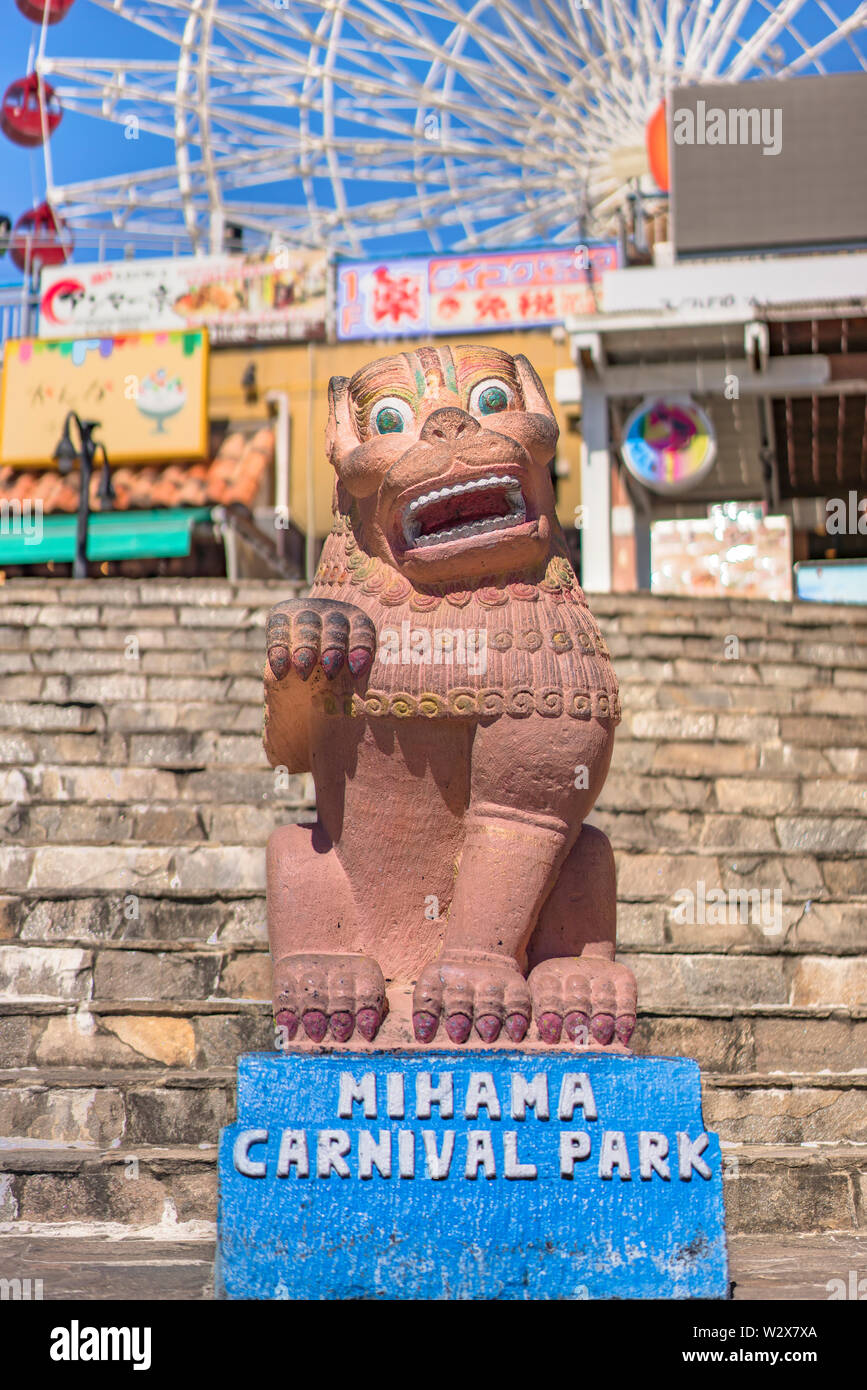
pixel 239 299
pixel 148 391
pixel 769 164
pixel 471 293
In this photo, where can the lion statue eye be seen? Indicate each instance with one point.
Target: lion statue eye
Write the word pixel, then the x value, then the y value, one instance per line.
pixel 390 417
pixel 490 397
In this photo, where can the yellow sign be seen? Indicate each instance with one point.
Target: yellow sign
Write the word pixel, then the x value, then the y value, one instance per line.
pixel 148 391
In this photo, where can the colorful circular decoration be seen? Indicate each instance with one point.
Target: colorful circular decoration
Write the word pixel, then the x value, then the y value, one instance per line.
pixel 669 444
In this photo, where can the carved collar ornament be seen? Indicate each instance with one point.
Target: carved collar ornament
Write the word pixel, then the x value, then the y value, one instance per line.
pixel 514 645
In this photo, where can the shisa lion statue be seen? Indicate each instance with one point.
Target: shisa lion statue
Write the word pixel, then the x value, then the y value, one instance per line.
pixel 449 690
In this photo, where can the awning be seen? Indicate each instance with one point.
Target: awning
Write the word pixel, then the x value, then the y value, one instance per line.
pixel 27 539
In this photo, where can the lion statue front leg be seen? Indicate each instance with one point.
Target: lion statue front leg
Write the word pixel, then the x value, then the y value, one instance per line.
pixel 533 889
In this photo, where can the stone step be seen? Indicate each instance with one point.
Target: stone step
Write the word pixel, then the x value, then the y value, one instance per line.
pixel 136 702
pixel 122 785
pixel 112 1265
pixel 129 592
pixel 183 750
pixel 150 920
pixel 780 1108
pixel 154 733
pixel 74 975
pixel 51 1184
pixel 669 712
pixel 634 612
pixel 221 591
pixel 723 1037
pixel 141 645
pixel 791 796
pixel 205 868
pixel 152 737
pixel 770 1188
pixel 168 1265
pixel 127 824
pixel 111 1107
pixel 781 678
pixel 779 1189
pixel 116 1107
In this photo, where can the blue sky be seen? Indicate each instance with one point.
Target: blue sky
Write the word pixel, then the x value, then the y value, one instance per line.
pixel 82 147
pixel 86 147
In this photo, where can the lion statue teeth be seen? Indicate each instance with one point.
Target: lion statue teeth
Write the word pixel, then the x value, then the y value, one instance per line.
pixel 449 690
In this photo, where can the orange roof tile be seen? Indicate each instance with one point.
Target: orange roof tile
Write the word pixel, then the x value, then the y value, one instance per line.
pixel 235 475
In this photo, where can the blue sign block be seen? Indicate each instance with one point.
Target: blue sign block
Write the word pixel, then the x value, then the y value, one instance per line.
pixel 489 1174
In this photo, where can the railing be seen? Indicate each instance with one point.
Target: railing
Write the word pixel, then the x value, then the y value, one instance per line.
pixel 19 313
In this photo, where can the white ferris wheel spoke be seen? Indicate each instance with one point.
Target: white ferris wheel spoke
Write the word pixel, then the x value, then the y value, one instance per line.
pixel 344 121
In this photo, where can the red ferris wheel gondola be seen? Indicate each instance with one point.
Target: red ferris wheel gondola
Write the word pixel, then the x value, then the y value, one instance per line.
pixel 21 114
pixel 35 9
pixel 39 238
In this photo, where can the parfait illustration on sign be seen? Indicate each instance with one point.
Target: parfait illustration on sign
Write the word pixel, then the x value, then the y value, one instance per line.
pixel 669 445
pixel 160 396
pixel 451 858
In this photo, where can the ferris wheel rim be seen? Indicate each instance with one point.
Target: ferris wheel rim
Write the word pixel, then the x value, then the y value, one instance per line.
pixel 222 145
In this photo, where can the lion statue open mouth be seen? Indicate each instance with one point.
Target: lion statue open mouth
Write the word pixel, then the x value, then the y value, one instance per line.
pixel 450 692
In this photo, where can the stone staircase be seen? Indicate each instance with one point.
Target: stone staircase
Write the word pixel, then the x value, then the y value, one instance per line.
pixel 136 802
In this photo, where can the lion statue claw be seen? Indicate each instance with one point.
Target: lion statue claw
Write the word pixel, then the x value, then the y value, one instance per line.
pixel 447 686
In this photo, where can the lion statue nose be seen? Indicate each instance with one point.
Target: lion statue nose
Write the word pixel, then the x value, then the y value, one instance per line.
pixel 448 423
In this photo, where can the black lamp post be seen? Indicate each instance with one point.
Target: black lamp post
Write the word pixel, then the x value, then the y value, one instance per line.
pixel 66 456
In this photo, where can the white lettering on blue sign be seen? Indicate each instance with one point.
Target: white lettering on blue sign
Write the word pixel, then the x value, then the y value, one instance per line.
pixel 688 1156
pixel 534 1093
pixel 363 1091
pixel 427 1094
pixel 438 1163
pixel 652 1153
pixel 480 1151
pixel 331 1146
pixel 442 1153
pixel 574 1147
pixel 293 1149
pixel 395 1093
pixel 435 1157
pixel 406 1153
pixel 370 1153
pixel 575 1089
pixel 251 1168
pixel 614 1155
pixel 481 1091
pixel 513 1167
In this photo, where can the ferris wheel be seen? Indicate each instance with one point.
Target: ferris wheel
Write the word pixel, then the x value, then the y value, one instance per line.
pixel 448 123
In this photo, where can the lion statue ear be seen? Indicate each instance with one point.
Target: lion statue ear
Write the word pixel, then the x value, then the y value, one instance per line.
pixel 535 397
pixel 546 431
pixel 339 434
